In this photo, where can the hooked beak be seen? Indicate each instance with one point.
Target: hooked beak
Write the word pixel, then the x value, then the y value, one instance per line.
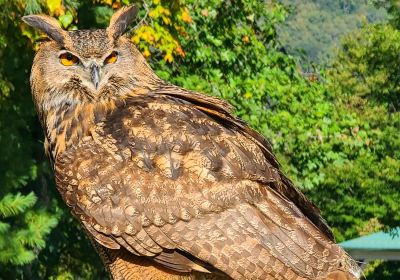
pixel 95 74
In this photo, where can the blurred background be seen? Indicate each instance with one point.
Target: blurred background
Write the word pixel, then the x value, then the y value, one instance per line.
pixel 319 78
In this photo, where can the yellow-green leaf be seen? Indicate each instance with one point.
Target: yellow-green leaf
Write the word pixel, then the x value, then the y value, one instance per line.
pixel 54 5
pixel 66 20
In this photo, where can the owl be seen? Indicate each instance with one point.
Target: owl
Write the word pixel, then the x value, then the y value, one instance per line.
pixel 167 182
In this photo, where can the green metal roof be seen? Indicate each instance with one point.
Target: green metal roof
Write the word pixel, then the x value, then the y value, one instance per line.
pixel 376 241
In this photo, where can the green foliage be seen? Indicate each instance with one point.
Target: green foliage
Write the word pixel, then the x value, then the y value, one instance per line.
pixel 335 134
pixel 11 205
pixel 366 88
pixel 393 9
pixel 314 27
pixel 368 65
pixel 23 223
pixel 383 270
pixel 364 187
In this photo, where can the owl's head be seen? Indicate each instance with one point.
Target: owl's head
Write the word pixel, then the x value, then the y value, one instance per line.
pixel 86 65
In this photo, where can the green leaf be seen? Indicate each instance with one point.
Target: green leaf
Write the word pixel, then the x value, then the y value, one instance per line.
pixel 66 20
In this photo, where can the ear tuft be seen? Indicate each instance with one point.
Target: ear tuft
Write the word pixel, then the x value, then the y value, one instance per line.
pixel 48 25
pixel 120 21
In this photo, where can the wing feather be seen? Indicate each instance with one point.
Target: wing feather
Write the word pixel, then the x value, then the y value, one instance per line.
pixel 193 188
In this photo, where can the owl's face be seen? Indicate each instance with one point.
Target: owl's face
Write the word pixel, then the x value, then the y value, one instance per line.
pixel 86 65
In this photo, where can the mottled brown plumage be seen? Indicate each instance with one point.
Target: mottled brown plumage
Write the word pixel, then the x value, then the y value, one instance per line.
pixel 167 183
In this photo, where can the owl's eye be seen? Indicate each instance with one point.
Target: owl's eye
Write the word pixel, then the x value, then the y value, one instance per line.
pixel 68 59
pixel 112 58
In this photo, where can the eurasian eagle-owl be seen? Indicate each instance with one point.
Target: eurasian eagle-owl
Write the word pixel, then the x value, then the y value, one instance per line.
pixel 167 183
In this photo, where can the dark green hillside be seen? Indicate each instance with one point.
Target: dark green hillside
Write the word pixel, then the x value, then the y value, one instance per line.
pixel 314 27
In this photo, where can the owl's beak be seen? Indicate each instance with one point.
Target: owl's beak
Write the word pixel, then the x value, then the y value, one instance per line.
pixel 95 74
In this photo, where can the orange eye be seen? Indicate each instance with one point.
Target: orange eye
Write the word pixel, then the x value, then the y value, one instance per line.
pixel 68 59
pixel 112 58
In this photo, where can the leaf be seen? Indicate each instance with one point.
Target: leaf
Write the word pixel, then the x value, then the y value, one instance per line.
pixel 168 57
pixel 55 6
pixel 32 7
pixel 186 16
pixel 66 20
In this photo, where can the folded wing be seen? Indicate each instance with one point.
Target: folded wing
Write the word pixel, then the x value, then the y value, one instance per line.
pixel 172 178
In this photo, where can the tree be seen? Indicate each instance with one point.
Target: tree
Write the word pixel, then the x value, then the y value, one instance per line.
pixel 29 208
pixel 393 9
pixel 23 223
pixel 367 183
pixel 366 84
pixel 314 27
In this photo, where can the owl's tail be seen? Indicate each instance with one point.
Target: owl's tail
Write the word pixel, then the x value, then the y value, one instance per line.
pixel 123 265
pixel 340 275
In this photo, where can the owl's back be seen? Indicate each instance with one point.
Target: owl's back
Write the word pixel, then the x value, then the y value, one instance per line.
pixel 184 185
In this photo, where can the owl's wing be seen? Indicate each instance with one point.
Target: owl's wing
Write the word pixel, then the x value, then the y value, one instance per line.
pixel 193 188
pixel 221 111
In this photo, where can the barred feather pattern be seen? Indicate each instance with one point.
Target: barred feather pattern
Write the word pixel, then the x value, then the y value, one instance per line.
pixel 173 179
